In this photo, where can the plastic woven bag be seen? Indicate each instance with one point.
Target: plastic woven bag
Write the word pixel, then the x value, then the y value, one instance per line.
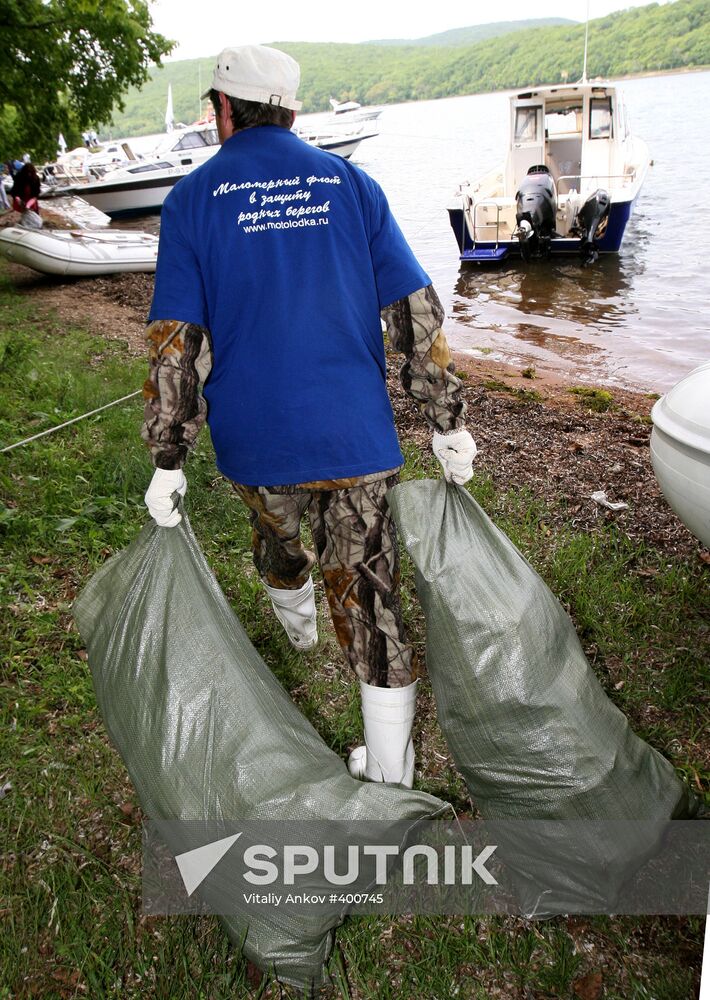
pixel 208 733
pixel 525 718
pixel 31 220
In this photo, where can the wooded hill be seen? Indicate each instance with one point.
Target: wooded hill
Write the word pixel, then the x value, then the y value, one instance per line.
pixel 643 39
pixel 475 33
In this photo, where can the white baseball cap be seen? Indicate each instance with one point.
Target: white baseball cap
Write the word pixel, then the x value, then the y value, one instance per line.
pixel 257 73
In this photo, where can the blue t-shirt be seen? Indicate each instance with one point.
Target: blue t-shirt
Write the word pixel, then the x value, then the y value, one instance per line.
pixel 287 254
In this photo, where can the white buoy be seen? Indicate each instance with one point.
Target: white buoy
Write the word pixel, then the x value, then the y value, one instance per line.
pixel 680 449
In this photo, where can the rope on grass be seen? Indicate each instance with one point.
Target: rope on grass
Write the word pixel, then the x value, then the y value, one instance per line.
pixel 66 423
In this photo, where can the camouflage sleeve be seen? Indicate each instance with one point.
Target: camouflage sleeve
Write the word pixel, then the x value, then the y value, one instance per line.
pixel 429 374
pixel 180 357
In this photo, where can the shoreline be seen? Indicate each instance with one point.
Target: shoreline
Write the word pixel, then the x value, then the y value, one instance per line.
pixel 540 432
pixel 553 384
pixel 116 306
pixel 643 74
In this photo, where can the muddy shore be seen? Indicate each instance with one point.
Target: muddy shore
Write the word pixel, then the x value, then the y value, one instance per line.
pixel 532 431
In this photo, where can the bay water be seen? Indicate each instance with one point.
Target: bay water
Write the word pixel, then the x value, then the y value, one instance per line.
pixel 640 318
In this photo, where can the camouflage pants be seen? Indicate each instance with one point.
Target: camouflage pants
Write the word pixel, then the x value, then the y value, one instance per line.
pixel 356 546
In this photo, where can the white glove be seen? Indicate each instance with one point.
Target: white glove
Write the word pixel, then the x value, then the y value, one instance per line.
pixel 456 452
pixel 158 498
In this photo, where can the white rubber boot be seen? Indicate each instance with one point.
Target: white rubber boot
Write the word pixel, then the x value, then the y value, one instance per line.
pixel 388 754
pixel 296 610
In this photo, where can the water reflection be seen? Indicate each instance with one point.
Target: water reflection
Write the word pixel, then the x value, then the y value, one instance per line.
pixel 600 296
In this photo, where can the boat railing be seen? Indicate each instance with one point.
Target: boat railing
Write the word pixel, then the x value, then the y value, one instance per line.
pixel 484 203
pixel 597 179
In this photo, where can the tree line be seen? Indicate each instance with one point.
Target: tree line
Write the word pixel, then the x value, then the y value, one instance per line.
pixel 643 39
pixel 66 65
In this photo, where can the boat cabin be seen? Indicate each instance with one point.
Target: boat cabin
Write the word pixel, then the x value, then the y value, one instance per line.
pixel 576 131
pixel 190 144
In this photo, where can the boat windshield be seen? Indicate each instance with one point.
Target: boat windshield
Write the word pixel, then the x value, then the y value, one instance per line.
pixel 190 141
pixel 145 168
pixel 193 140
pixel 563 119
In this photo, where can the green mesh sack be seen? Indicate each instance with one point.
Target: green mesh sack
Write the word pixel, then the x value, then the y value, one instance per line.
pixel 207 732
pixel 527 722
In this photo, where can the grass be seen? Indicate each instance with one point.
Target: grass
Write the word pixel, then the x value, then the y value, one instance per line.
pixel 598 400
pixel 524 395
pixel 72 922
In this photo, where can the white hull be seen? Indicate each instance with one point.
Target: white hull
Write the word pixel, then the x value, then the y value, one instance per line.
pixel 341 147
pixel 143 188
pixel 680 450
pixel 79 252
pixel 133 193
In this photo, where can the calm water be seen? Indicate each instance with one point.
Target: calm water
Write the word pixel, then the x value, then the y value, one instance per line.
pixel 638 319
pixel 641 318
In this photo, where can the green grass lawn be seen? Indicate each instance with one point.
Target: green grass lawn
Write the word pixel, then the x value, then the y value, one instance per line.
pixel 72 922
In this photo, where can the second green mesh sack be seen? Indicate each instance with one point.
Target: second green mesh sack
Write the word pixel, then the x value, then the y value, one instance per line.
pixel 526 720
pixel 543 751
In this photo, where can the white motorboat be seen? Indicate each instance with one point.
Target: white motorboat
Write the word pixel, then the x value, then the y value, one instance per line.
pixel 79 252
pixel 341 138
pixel 354 111
pixel 135 190
pixel 143 186
pixel 569 182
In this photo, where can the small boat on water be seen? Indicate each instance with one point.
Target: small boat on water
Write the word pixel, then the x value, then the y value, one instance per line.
pixel 354 111
pixel 569 182
pixel 79 252
pixel 338 137
pixel 142 186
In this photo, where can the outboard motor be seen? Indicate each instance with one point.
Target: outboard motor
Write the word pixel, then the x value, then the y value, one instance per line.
pixel 536 209
pixel 591 223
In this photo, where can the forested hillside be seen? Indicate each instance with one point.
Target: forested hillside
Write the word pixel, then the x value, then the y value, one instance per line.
pixel 642 39
pixel 474 33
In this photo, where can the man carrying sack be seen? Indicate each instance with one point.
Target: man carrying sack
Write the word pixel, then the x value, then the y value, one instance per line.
pixel 276 260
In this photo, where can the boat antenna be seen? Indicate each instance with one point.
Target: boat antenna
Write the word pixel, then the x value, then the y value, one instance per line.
pixel 586 41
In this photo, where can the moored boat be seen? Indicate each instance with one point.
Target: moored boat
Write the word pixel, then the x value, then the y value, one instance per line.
pixel 354 111
pixel 79 252
pixel 143 186
pixel 337 138
pixel 569 182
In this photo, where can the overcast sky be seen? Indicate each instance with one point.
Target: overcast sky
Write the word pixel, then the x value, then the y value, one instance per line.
pixel 204 28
